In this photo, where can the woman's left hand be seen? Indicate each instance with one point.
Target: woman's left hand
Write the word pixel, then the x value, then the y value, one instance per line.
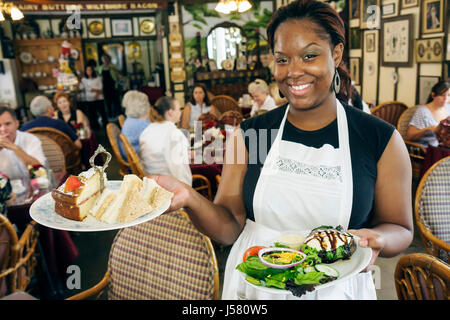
pixel 369 238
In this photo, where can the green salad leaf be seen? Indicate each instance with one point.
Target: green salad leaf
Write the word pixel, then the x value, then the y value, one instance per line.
pixel 312 257
pixel 308 278
pixel 253 267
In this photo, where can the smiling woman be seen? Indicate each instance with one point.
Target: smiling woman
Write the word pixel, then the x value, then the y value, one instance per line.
pixel 327 163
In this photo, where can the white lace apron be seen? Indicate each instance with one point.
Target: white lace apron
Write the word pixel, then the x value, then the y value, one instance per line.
pixel 299 188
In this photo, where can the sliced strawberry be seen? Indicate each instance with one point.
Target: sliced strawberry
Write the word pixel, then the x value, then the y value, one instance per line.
pixel 72 183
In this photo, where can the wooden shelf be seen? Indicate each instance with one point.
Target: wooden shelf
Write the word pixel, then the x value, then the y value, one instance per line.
pixel 41 49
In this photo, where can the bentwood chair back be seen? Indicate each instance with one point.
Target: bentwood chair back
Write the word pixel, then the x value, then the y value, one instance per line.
pixel 389 111
pixel 133 159
pixel 432 209
pixel 70 150
pixel 113 133
pixel 404 120
pixel 17 256
pixel 54 155
pixel 232 118
pixel 166 258
pixel 224 103
pixel 420 276
pixel 202 185
pixel 416 150
pixel 121 119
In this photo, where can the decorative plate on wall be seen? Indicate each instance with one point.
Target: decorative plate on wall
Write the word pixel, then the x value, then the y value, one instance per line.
pixel 228 64
pixel 26 57
pixel 96 28
pixel 147 26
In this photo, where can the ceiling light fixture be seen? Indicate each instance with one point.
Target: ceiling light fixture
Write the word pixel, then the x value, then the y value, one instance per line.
pixel 229 6
pixel 11 10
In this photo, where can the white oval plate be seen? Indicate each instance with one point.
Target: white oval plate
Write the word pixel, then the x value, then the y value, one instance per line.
pixel 43 212
pixel 347 268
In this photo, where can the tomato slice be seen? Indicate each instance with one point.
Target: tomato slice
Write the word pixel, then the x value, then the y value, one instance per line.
pixel 252 251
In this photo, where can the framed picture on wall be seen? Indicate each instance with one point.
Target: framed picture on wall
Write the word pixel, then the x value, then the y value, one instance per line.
pixel 353 9
pixel 355 64
pixel 429 50
pixel 389 8
pixel 409 3
pixel 355 41
pixel 370 14
pixel 425 85
pixel 369 41
pixel 396 41
pixel 432 16
pixel 121 27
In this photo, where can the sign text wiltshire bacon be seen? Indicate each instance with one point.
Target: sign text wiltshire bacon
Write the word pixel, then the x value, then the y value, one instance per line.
pixel 91 5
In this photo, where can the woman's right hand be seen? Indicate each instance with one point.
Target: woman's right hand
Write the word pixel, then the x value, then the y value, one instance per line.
pixel 180 190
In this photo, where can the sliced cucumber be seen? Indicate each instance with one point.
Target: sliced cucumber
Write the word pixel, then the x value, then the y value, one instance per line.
pixel 327 270
pixel 309 269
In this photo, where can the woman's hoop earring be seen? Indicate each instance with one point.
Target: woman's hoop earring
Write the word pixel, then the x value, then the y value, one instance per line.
pixel 281 95
pixel 336 82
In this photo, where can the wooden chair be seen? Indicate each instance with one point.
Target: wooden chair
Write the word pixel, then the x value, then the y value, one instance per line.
pixel 416 150
pixel 54 155
pixel 113 133
pixel 419 276
pixel 133 159
pixel 432 209
pixel 165 258
pixel 121 119
pixel 389 111
pixel 17 256
pixel 202 185
pixel 71 151
pixel 224 103
pixel 232 118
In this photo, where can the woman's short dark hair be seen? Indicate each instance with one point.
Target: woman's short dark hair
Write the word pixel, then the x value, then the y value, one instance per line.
pixel 164 104
pixel 332 29
pixel 203 87
pixel 439 88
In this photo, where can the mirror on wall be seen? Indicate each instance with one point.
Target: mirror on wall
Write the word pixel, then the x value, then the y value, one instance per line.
pixel 226 41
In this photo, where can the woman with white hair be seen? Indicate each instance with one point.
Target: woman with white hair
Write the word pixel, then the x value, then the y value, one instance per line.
pixel 260 94
pixel 137 107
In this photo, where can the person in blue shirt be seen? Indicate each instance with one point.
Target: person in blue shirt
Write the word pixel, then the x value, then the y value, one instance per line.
pixel 42 109
pixel 137 107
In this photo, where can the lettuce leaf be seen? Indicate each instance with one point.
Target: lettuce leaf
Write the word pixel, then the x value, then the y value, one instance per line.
pixel 309 278
pixel 253 267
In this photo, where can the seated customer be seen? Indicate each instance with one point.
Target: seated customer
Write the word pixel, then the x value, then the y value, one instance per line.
pixel 69 114
pixel 425 122
pixel 198 104
pixel 18 149
pixel 137 107
pixel 41 107
pixel 164 148
pixel 260 94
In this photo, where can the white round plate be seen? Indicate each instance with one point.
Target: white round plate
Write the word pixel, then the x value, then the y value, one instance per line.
pixel 43 212
pixel 347 268
pixel 26 57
